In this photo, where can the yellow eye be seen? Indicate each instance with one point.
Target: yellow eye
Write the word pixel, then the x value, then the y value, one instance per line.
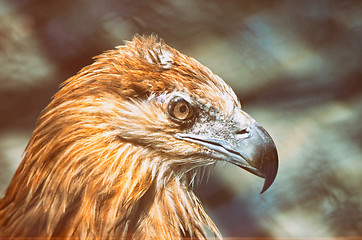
pixel 180 109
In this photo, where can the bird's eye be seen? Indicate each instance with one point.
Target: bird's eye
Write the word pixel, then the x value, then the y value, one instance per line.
pixel 180 109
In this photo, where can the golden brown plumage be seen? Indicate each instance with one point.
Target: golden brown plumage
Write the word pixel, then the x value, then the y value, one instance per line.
pixel 117 150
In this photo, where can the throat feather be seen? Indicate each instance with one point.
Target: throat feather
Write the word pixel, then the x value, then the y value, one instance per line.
pixel 115 192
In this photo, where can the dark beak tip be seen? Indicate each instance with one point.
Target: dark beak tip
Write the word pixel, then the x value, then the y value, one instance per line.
pixel 266 186
pixel 270 172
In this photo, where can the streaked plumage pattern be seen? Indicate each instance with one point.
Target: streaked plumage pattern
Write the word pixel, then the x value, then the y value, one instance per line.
pixel 109 158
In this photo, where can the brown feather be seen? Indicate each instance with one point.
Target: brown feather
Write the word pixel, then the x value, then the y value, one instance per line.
pixel 91 169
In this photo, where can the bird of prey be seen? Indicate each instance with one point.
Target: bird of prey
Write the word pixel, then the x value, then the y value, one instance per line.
pixel 117 151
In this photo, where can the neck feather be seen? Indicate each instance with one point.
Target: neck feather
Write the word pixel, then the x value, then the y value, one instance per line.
pixel 114 190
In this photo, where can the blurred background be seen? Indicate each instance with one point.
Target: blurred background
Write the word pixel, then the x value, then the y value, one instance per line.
pixel 295 65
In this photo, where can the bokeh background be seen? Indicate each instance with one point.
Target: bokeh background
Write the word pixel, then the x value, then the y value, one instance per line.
pixel 295 65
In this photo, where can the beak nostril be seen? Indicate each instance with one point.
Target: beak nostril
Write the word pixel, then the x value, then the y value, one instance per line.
pixel 243 131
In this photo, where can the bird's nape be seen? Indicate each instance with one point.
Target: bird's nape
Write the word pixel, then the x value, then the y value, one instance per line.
pixel 112 154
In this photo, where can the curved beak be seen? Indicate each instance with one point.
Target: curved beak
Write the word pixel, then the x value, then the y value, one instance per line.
pixel 251 149
pixel 260 152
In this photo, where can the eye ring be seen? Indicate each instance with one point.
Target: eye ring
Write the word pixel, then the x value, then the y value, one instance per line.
pixel 179 109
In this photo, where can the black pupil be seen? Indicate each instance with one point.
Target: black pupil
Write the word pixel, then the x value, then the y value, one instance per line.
pixel 179 109
pixel 183 109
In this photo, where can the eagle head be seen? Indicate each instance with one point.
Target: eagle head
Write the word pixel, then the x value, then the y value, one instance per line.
pixel 118 148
